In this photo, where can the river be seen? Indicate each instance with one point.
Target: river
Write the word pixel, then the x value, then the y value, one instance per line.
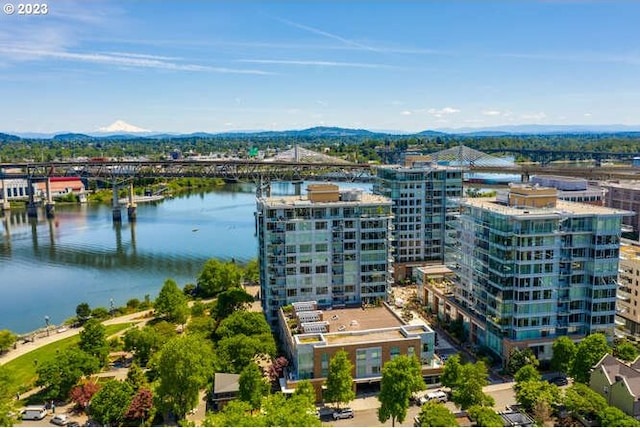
pixel 48 267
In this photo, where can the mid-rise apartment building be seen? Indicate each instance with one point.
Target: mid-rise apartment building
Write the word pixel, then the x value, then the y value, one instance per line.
pixel 331 246
pixel 625 196
pixel 628 310
pixel 425 201
pixel 531 268
pixel 572 189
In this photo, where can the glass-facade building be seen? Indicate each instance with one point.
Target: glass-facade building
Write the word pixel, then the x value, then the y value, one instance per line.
pixel 332 247
pixel 425 202
pixel 531 268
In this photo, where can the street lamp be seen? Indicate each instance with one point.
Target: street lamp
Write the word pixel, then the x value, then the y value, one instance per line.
pixel 46 323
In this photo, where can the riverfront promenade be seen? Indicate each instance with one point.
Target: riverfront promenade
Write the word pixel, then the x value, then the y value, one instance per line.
pixel 42 339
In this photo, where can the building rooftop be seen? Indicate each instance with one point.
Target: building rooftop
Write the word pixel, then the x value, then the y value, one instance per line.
pixel 629 251
pixel 633 185
pixel 358 319
pixel 420 163
pixel 561 208
pixel 303 201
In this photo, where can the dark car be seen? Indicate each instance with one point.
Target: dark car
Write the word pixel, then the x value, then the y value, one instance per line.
pixel 559 380
pixel 73 424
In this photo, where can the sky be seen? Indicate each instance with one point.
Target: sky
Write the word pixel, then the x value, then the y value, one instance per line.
pixel 215 66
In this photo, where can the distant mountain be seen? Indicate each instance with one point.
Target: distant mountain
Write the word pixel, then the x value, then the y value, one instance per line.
pixel 541 129
pixel 9 137
pixel 120 126
pixel 70 136
pixel 429 133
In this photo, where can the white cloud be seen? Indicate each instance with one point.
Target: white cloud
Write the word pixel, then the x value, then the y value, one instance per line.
pixel 492 112
pixel 587 115
pixel 406 113
pixel 534 116
pixel 443 111
pixel 317 63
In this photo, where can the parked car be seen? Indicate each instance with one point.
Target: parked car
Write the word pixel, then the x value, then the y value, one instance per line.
pixel 60 419
pixel 33 413
pixel 73 424
pixel 559 380
pixel 345 413
pixel 437 396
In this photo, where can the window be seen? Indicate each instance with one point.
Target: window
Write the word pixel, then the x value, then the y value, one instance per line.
pixel 411 350
pixel 395 351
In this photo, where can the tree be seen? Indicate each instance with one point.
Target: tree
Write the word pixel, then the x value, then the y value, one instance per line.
pixel 7 339
pixel 234 414
pixel 143 343
pixel 451 375
pixel 532 392
pixel 231 300
pixel 136 377
pixel 172 303
pixel 564 351
pixel 276 368
pixel 401 377
pixel 468 392
pixel 306 391
pixel 252 272
pixel 59 375
pixel 614 417
pixel 109 405
pixel 217 276
pixel 141 406
pixel 519 358
pixel 582 400
pixel 83 312
pixel 243 322
pixel 485 416
pixel 81 394
pixel 625 350
pixel 252 385
pixel 339 381
pixel 295 411
pixel 7 392
pixel 234 353
pixel 434 414
pixel 589 352
pixel 526 373
pixel 184 366
pixel 93 340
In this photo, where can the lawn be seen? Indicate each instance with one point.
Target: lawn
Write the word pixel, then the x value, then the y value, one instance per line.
pixel 23 368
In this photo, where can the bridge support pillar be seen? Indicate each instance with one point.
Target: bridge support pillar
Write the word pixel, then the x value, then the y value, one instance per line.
pixel 524 177
pixel 131 207
pixel 4 198
pixel 115 205
pixel 32 209
pixel 49 206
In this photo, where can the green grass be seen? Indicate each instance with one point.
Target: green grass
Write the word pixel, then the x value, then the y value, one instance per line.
pixel 23 368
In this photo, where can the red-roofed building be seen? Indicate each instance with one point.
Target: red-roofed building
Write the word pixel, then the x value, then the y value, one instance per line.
pixel 61 186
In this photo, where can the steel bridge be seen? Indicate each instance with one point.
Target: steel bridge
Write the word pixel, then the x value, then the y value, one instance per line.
pixel 545 156
pixel 264 171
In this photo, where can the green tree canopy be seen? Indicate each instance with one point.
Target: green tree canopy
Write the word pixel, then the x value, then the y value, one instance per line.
pixel 519 358
pixel 109 405
pixel 625 350
pixel 235 414
pixel 401 377
pixel 7 339
pixel 236 352
pixel 305 390
pixel 217 276
pixel 93 340
pixel 580 399
pixel 83 312
pixel 526 374
pixel 451 375
pixel 144 342
pixel 339 383
pixel 172 303
pixel 532 392
pixel 229 301
pixel 7 393
pixel 485 416
pixel 614 417
pixel 564 351
pixel 252 385
pixel 59 375
pixel 243 322
pixel 434 414
pixel 589 352
pixel 468 392
pixel 295 411
pixel 252 271
pixel 136 377
pixel 184 366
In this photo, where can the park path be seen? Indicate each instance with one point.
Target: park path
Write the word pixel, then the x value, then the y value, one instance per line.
pixel 54 335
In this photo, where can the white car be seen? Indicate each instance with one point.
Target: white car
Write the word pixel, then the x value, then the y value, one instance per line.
pixel 60 419
pixel 437 396
pixel 345 413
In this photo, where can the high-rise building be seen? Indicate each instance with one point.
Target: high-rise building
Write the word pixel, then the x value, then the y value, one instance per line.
pixel 425 201
pixel 332 246
pixel 531 268
pixel 628 311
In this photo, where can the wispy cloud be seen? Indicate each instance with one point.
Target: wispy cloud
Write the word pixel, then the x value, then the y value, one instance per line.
pixel 327 34
pixel 128 60
pixel 491 112
pixel 443 111
pixel 406 113
pixel 317 63
pixel 534 116
pixel 626 58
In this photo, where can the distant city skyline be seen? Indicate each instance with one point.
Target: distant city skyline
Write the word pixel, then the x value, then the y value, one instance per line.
pixel 220 66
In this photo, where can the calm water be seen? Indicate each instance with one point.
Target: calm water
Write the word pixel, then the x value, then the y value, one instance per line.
pixel 48 267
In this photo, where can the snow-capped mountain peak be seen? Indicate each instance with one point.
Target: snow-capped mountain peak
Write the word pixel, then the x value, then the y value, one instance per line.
pixel 122 126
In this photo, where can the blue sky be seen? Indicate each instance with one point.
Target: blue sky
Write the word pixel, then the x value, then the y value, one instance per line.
pixel 185 66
